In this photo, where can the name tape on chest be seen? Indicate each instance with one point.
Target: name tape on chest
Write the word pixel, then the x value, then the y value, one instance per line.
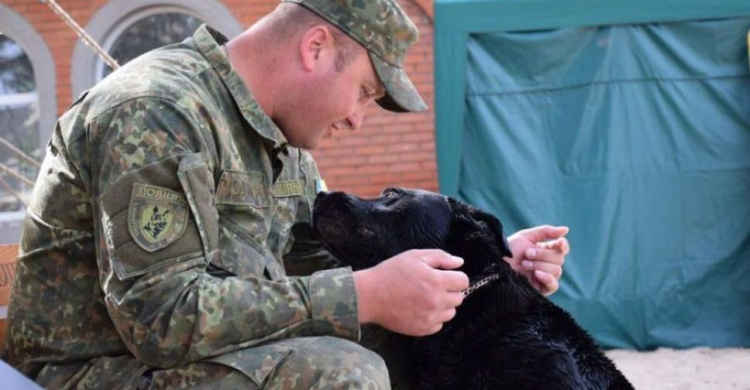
pixel 288 188
pixel 249 188
pixel 243 188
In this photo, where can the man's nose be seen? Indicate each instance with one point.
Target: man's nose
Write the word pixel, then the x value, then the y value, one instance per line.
pixel 356 118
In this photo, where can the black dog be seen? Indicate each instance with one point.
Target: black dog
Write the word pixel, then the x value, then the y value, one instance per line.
pixel 505 335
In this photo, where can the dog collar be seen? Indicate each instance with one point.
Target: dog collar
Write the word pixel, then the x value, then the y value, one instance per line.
pixel 480 284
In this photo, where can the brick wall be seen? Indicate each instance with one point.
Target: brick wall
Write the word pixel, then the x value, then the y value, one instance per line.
pixel 389 150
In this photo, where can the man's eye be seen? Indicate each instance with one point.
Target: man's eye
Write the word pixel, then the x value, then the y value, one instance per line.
pixel 370 93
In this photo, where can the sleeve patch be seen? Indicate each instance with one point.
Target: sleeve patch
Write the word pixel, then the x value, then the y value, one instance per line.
pixel 157 216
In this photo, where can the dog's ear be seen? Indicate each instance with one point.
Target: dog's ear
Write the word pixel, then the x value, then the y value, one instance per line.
pixel 474 231
pixel 494 225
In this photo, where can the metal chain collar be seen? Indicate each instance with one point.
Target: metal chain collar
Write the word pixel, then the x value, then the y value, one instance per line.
pixel 480 283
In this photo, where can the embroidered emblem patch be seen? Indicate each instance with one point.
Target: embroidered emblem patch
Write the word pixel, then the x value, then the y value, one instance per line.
pixel 156 216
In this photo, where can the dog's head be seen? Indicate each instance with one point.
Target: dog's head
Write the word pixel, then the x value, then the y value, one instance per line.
pixel 363 232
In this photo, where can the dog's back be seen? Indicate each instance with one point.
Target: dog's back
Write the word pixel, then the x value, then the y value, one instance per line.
pixel 507 337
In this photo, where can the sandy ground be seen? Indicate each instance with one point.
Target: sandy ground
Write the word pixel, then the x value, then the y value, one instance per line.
pixel 690 369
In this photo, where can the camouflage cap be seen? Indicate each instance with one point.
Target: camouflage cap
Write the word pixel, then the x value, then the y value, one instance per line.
pixel 384 29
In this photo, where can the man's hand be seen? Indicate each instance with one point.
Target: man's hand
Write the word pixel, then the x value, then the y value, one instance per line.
pixel 412 293
pixel 539 253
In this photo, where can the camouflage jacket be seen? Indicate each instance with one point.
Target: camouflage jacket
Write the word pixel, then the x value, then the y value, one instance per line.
pixel 158 226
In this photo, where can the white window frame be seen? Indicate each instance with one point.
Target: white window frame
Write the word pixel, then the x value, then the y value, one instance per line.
pixel 117 15
pixel 17 28
pixel 18 99
pixel 130 20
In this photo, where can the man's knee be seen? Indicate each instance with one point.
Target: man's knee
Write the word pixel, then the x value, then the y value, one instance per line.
pixel 330 362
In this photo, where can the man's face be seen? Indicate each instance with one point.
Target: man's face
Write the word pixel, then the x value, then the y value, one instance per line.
pixel 333 99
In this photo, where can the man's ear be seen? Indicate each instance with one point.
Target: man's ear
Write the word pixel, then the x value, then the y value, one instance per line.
pixel 315 45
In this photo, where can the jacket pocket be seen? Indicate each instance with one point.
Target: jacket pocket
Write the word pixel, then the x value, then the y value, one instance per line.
pixel 241 255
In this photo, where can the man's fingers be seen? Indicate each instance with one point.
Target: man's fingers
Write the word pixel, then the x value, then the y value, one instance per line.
pixel 455 281
pixel 439 259
pixel 553 256
pixel 432 330
pixel 552 269
pixel 454 299
pixel 561 245
pixel 447 315
pixel 545 232
pixel 548 282
pixel 443 317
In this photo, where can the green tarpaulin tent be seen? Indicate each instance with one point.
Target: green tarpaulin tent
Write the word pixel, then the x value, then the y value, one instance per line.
pixel 627 121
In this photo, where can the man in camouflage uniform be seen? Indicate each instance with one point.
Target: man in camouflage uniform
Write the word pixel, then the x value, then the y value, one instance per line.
pixel 159 240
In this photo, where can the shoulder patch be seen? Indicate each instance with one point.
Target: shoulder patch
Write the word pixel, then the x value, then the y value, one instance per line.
pixel 157 216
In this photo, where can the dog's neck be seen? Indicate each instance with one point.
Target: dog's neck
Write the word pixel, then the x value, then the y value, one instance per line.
pixel 481 283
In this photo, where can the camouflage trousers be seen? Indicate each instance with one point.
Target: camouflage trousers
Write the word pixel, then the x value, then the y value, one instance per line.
pixel 379 361
pixel 299 363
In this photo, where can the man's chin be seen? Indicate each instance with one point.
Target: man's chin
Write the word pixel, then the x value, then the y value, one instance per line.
pixel 305 144
pixel 312 141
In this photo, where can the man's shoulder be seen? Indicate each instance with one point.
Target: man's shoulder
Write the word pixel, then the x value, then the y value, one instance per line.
pixel 170 74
